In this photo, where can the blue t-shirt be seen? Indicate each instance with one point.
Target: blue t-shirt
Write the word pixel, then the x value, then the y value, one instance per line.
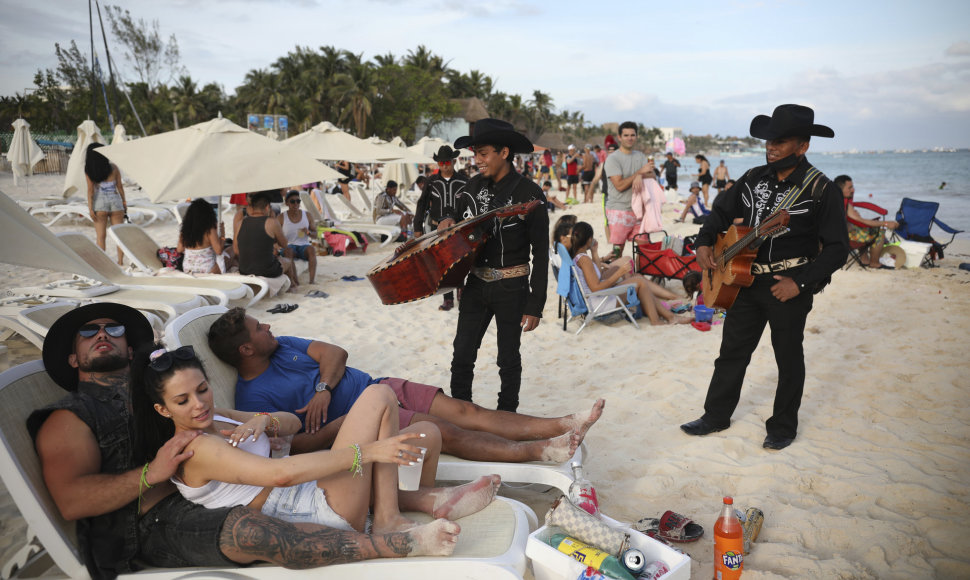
pixel 289 383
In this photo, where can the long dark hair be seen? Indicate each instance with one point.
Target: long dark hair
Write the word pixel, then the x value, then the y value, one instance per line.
pixel 199 219
pixel 582 232
pixel 147 388
pixel 96 166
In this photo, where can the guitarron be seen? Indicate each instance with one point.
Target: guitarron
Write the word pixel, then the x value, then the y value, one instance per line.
pixel 734 252
pixel 437 261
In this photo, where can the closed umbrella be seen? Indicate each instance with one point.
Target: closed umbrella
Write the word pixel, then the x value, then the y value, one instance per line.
pixel 74 182
pixel 120 134
pixel 24 153
pixel 216 157
pixel 328 143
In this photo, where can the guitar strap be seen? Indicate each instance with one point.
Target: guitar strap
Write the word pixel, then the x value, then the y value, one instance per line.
pixel 793 193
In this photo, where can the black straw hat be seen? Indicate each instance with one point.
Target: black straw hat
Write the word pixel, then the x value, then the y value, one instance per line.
pixel 59 343
pixel 788 121
pixel 496 132
pixel 445 153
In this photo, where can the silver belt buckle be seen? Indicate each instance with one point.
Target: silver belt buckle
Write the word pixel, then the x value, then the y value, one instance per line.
pixel 487 274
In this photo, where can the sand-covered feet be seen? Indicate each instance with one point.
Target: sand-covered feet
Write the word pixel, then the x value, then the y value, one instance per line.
pixel 560 449
pixel 438 538
pixel 581 422
pixel 457 502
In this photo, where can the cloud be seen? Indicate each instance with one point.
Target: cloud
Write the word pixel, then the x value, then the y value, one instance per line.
pixel 958 49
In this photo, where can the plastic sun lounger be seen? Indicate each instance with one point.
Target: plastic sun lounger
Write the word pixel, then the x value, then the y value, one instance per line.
pixel 371 229
pixel 31 317
pixel 142 251
pixel 64 210
pixel 221 291
pixel 491 546
pixel 193 327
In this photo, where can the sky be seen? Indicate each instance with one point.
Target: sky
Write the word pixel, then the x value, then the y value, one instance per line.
pixel 884 75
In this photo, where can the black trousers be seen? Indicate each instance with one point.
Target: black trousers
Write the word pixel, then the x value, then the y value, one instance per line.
pixel 480 302
pixel 745 323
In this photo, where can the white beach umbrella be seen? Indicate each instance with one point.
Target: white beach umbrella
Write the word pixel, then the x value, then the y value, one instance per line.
pixel 24 153
pixel 120 134
pixel 430 145
pixel 74 182
pixel 326 142
pixel 404 171
pixel 216 157
pixel 24 241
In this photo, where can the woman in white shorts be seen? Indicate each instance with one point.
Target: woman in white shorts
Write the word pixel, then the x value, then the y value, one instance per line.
pixel 229 463
pixel 106 194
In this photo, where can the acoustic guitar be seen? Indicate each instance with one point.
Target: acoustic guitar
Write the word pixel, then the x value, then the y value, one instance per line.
pixel 437 261
pixel 734 252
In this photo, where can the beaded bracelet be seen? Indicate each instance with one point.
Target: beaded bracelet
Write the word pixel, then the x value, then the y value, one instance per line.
pixel 143 482
pixel 274 423
pixel 355 468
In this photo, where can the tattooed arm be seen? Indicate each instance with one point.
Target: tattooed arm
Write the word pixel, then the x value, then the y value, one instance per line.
pixel 249 536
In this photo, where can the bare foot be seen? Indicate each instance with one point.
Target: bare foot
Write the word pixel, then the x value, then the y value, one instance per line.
pixel 577 422
pixel 435 539
pixel 560 449
pixel 457 502
pixel 396 523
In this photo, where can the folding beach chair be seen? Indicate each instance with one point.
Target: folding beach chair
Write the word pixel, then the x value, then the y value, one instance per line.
pixel 592 305
pixel 652 259
pixel 915 220
pixel 859 249
pixel 193 328
pixel 491 545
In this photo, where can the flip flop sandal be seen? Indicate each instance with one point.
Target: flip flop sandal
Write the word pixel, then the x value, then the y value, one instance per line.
pixel 276 309
pixel 317 294
pixel 288 308
pixel 350 278
pixel 671 526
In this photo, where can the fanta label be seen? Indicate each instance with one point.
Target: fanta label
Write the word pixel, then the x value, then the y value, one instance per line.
pixel 732 560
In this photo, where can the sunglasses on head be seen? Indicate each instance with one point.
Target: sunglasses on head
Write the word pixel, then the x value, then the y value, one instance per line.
pixel 113 329
pixel 161 360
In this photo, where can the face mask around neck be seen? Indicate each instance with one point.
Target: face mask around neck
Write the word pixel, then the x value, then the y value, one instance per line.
pixel 784 162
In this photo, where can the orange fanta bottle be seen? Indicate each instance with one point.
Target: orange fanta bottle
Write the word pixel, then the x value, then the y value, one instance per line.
pixel 728 544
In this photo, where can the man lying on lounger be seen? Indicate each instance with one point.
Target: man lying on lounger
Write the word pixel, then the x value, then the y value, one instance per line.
pixel 311 378
pixel 129 513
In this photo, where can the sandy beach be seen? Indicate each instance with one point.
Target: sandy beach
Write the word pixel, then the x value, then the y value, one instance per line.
pixel 869 489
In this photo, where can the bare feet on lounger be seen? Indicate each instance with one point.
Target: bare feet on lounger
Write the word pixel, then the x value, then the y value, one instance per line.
pixel 560 449
pixel 435 539
pixel 457 502
pixel 581 423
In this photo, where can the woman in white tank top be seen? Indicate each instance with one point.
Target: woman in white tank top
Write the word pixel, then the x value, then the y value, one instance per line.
pixel 229 466
pixel 298 228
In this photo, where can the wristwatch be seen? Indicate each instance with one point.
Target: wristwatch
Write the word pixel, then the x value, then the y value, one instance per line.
pixel 323 386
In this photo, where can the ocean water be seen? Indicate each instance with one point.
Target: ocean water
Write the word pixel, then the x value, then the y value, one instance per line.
pixel 884 178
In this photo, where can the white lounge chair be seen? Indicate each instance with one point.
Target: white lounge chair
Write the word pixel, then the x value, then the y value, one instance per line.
pixel 214 289
pixel 375 231
pixel 193 328
pixel 491 546
pixel 142 251
pixel 31 316
pixel 63 210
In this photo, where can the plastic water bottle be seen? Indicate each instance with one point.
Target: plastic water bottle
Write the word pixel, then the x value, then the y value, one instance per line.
pixel 581 491
pixel 606 563
pixel 728 544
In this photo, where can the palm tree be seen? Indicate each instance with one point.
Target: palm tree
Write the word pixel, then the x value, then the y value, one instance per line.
pixel 354 92
pixel 426 60
pixel 187 101
pixel 260 92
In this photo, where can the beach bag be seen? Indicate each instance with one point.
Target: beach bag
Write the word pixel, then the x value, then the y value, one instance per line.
pixel 170 257
pixel 586 528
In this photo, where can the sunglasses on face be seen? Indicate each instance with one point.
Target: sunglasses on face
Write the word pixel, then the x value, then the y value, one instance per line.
pixel 296 201
pixel 444 163
pixel 113 329
pixel 161 360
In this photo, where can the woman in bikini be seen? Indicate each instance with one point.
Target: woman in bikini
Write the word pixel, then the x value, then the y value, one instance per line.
pixel 230 463
pixel 599 276
pixel 200 240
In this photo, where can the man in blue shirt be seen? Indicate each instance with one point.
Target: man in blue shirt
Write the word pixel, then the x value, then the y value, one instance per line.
pixel 311 378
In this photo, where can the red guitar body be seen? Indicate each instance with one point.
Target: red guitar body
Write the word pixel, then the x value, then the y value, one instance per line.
pixel 437 261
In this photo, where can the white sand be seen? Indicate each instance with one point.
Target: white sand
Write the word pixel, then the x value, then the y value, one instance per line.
pixel 870 489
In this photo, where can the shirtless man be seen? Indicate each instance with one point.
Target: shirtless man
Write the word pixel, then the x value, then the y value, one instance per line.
pixel 721 177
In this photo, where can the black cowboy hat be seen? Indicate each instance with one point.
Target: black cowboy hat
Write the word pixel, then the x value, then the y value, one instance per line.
pixel 788 121
pixel 59 343
pixel 445 153
pixel 496 132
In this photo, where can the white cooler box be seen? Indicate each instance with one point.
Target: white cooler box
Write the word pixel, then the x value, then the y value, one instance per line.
pixel 915 252
pixel 549 563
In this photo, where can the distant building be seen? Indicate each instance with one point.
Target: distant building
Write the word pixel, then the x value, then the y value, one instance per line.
pixel 668 133
pixel 470 110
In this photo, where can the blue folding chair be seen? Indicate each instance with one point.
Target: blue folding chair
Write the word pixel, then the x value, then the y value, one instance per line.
pixel 578 299
pixel 915 220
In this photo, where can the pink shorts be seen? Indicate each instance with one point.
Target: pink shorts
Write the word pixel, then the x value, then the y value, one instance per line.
pixel 413 398
pixel 623 225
